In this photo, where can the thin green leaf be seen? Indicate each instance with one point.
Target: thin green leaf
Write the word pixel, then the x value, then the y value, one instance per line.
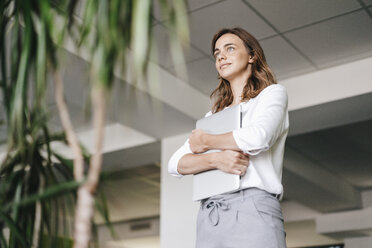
pixel 48 193
pixel 140 33
pixel 64 172
pixel 41 59
pixel 17 198
pixel 2 239
pixel 90 9
pixel 71 11
pixel 46 213
pixel 14 228
pixel 60 136
pixel 47 143
pixel 66 162
pixel 102 208
pixel 85 153
pixel 56 221
pixel 4 73
pixel 10 162
pixel 18 106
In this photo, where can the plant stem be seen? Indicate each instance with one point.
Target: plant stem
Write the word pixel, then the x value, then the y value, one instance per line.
pixel 68 128
pixel 37 224
pixel 99 107
pixel 85 203
pixel 83 217
pixel 84 206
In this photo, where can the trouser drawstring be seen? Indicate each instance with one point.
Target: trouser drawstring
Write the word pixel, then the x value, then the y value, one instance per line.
pixel 213 207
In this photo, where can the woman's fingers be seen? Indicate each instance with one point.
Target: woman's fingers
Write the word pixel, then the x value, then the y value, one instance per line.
pixel 243 161
pixel 233 162
pixel 244 156
pixel 242 167
pixel 196 141
pixel 241 171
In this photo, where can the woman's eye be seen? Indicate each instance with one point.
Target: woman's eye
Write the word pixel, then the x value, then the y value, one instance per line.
pixel 230 49
pixel 216 54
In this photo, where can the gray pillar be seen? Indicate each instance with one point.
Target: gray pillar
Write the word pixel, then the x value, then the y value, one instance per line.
pixel 177 210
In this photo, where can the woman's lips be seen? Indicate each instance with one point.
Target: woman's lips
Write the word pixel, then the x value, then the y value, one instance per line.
pixel 224 65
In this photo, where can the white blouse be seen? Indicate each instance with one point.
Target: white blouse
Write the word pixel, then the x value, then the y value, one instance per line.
pixel 264 131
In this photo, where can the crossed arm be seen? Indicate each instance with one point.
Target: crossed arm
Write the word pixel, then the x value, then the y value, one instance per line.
pixel 230 159
pixel 258 134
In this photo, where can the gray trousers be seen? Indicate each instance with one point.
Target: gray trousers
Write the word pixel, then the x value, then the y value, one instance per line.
pixel 250 218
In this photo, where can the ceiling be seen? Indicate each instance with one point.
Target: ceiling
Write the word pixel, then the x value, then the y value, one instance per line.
pixel 298 37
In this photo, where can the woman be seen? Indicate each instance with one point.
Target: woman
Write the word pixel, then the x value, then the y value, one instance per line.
pixel 252 216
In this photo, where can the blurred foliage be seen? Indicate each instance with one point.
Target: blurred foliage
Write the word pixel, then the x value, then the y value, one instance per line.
pixel 37 188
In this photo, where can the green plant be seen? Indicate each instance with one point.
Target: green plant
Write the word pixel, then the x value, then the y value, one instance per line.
pixel 38 187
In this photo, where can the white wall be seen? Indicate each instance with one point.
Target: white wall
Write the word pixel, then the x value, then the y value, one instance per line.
pixel 177 210
pixel 330 84
pixel 361 242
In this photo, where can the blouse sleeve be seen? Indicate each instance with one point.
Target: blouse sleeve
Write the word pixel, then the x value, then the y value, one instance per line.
pixel 173 161
pixel 183 150
pixel 261 131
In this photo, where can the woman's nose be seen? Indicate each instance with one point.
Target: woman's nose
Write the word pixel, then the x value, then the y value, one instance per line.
pixel 221 56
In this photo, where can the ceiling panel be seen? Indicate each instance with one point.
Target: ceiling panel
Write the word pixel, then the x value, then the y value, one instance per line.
pixel 196 4
pixel 336 41
pixel 207 21
pixel 191 6
pixel 283 59
pixel 289 14
pixel 162 54
pixel 202 74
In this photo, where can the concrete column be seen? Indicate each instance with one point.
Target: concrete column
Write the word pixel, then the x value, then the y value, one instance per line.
pixel 177 210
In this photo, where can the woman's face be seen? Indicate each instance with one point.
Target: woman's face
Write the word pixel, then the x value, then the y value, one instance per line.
pixel 232 58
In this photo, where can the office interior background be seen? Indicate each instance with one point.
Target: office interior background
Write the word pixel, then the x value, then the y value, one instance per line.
pixel 320 50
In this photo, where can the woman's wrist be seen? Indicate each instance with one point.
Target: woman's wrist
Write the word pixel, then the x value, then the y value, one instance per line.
pixel 212 161
pixel 206 140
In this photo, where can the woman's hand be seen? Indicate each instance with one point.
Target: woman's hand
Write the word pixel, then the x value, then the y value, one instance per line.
pixel 232 162
pixel 198 142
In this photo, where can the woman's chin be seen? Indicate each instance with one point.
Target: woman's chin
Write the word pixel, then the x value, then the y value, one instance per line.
pixel 227 76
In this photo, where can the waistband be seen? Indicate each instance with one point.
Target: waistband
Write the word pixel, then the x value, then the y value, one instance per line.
pixel 241 194
pixel 222 202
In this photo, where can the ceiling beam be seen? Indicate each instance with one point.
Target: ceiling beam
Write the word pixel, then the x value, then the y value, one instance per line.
pixel 329 84
pixel 331 114
pixel 308 183
pixel 132 157
pixel 348 224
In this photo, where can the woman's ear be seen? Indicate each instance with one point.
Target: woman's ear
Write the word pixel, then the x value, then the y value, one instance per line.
pixel 252 58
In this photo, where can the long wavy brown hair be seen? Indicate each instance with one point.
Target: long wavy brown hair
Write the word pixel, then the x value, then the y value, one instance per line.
pixel 260 78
